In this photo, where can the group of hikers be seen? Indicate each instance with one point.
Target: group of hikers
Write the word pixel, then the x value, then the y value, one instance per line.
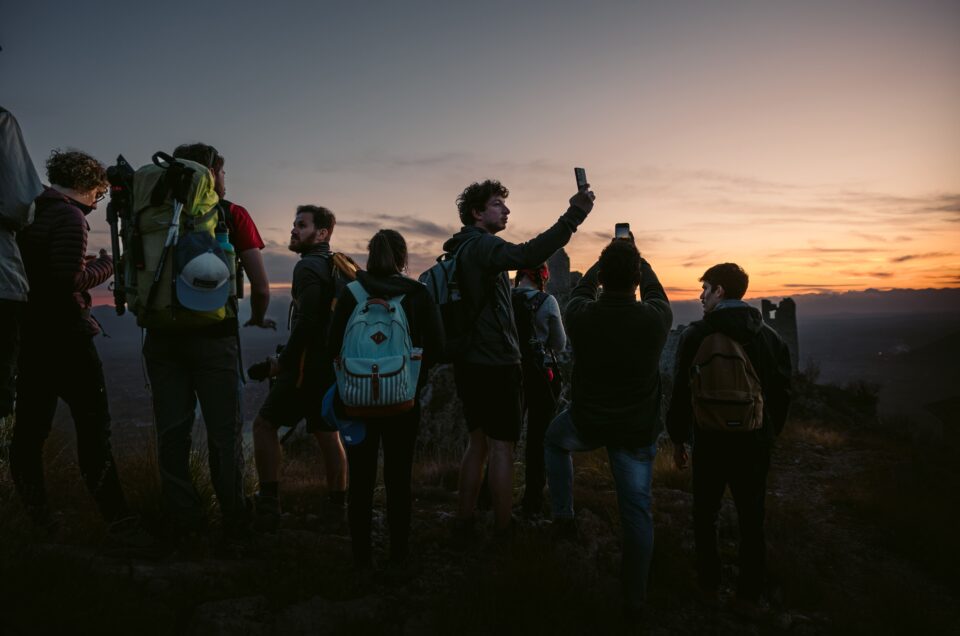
pixel 360 346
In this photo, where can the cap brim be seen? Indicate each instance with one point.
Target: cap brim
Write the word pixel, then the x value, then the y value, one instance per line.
pixel 202 301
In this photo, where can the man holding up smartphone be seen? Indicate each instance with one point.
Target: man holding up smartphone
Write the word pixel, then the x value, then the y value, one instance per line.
pixel 488 373
pixel 615 402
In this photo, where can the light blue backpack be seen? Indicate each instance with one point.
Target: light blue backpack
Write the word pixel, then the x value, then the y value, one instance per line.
pixel 378 367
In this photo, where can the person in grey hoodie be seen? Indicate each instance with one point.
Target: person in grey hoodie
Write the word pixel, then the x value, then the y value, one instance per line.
pixel 19 186
pixel 488 373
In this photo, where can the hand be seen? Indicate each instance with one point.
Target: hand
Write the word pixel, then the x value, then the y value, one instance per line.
pixel 680 456
pixel 104 253
pixel 583 199
pixel 263 323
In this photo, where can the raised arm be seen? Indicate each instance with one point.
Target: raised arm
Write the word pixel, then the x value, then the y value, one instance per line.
pixel 505 256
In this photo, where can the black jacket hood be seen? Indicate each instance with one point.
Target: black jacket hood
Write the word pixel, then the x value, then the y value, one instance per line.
pixel 740 323
pixel 388 286
pixel 466 232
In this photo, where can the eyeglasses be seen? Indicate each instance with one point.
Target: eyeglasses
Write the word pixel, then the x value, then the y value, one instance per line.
pixel 101 195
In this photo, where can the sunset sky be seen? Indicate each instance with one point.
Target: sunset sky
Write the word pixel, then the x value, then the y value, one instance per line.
pixel 815 143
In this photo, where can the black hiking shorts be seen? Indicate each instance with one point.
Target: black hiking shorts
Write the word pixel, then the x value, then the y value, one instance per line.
pixel 286 405
pixel 491 398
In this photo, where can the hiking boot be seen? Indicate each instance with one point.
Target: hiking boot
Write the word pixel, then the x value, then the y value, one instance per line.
pixel 128 538
pixel 266 513
pixel 463 534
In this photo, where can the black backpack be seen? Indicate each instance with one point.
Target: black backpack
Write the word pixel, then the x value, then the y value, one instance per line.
pixel 525 311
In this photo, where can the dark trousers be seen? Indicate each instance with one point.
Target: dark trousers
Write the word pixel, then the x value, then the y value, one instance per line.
pixel 398 435
pixel 67 367
pixel 540 404
pixel 741 462
pixel 11 315
pixel 185 368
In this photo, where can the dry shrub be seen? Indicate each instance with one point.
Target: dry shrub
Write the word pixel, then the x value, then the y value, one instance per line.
pixel 814 432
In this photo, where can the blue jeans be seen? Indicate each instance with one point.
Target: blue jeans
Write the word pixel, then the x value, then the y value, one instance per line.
pixel 633 474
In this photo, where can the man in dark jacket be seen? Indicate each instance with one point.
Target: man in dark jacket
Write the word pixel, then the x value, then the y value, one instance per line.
pixel 488 375
pixel 721 458
pixel 58 358
pixel 304 369
pixel 615 399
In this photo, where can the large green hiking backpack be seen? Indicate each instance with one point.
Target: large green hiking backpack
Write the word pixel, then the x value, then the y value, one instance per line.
pixel 175 245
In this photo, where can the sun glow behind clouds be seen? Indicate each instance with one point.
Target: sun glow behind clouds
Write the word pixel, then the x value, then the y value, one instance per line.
pixel 815 143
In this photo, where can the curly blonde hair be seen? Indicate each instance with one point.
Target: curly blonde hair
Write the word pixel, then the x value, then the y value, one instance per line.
pixel 75 170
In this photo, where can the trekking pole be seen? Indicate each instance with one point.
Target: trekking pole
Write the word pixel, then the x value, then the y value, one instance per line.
pixel 172 235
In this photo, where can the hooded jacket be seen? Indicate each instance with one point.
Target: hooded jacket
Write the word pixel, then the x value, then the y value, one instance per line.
pixel 306 355
pixel 616 359
pixel 767 352
pixel 482 268
pixel 54 249
pixel 423 316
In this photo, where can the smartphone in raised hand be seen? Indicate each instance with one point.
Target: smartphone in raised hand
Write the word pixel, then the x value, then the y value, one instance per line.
pixel 581 176
pixel 621 231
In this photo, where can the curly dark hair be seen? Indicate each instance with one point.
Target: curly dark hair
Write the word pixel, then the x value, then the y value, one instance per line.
pixel 75 170
pixel 475 197
pixel 730 276
pixel 620 266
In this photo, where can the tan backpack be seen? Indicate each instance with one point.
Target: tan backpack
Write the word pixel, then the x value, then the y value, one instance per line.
pixel 724 387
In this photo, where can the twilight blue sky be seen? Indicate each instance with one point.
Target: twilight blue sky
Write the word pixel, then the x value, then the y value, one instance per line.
pixel 817 143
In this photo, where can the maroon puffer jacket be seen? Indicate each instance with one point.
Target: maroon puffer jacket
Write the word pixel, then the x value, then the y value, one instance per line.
pixel 54 251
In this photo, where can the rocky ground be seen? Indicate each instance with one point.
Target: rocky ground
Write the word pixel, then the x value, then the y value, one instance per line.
pixel 859 535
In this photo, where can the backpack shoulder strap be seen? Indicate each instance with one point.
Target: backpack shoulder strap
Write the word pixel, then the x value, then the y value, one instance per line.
pixel 344 265
pixel 225 216
pixel 359 293
pixel 536 301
